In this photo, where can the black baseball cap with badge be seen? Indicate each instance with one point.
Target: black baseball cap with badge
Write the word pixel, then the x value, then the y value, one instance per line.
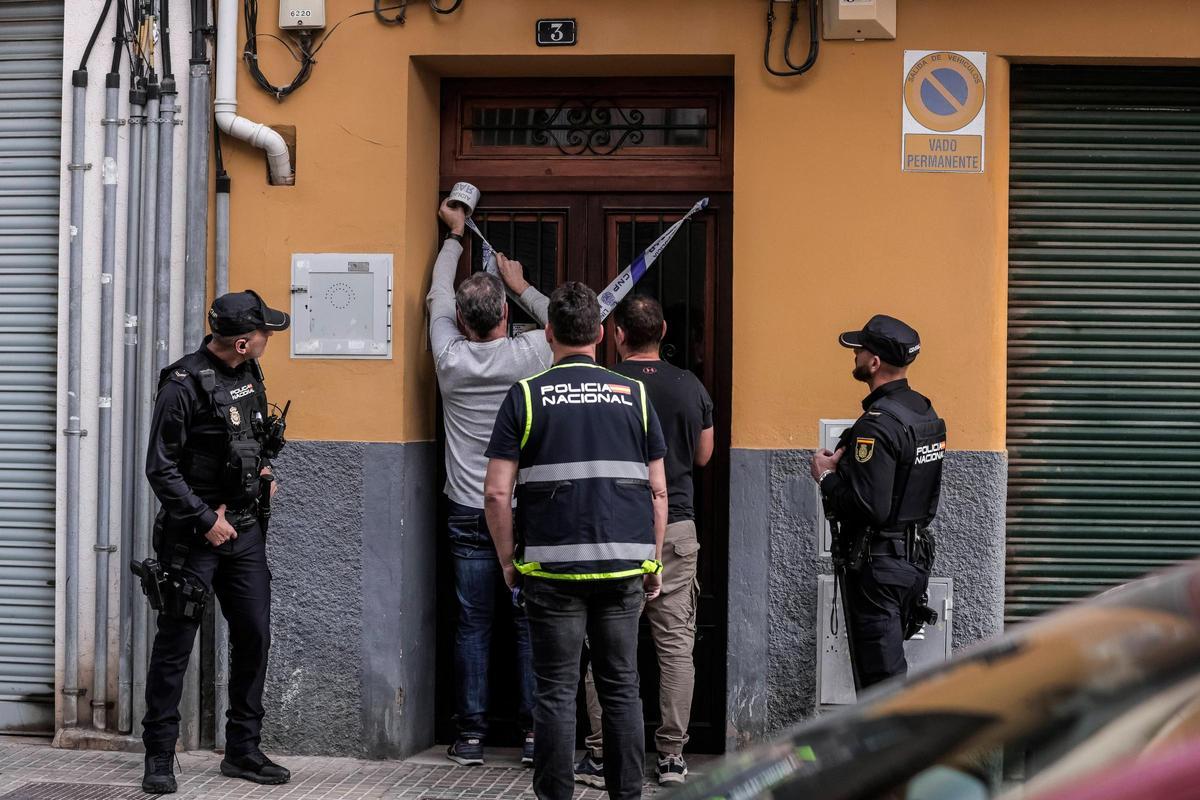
pixel 887 337
pixel 242 312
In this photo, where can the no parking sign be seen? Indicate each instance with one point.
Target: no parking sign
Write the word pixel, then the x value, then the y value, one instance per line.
pixel 945 99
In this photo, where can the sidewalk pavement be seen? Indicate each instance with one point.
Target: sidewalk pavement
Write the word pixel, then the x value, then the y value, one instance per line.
pixel 32 770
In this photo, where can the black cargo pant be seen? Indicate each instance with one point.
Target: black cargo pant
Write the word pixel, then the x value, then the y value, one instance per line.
pixel 879 598
pixel 237 572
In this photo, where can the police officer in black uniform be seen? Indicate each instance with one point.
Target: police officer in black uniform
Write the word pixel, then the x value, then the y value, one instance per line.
pixel 881 491
pixel 208 463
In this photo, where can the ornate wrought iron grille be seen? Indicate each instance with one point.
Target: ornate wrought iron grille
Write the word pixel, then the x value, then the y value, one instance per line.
pixel 589 127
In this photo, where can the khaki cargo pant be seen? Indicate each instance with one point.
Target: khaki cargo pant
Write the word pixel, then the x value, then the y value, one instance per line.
pixel 672 618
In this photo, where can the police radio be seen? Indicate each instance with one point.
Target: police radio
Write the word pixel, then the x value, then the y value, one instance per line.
pixel 269 431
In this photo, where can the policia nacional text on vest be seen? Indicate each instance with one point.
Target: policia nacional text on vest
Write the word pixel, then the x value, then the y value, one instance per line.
pixel 583 508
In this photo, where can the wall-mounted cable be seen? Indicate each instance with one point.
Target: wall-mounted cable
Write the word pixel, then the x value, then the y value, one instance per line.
pixel 814 41
pixel 302 52
pixel 306 46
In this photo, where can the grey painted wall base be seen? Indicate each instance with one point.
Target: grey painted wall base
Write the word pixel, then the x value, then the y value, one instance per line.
pixel 352 646
pixel 352 551
pixel 774 515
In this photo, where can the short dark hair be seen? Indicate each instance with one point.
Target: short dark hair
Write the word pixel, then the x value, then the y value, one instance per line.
pixel 228 341
pixel 641 317
pixel 574 314
pixel 480 300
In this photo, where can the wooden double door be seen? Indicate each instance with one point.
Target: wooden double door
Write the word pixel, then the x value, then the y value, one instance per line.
pixel 591 238
pixel 579 175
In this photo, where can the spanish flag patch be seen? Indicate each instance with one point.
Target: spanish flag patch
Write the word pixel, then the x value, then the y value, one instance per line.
pixel 864 448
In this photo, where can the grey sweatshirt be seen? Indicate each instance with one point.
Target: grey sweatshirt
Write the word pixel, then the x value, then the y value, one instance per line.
pixel 475 376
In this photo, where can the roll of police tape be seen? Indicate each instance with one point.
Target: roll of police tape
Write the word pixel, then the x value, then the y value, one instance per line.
pixel 466 195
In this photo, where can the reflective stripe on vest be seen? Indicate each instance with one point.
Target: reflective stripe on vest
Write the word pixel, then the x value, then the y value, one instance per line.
pixel 603 551
pixel 534 569
pixel 578 470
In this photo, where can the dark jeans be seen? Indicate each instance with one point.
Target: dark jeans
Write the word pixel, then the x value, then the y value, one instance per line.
pixel 237 572
pixel 880 596
pixel 477 580
pixel 561 614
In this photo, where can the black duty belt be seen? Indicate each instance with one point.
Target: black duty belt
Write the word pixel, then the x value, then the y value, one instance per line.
pixel 889 547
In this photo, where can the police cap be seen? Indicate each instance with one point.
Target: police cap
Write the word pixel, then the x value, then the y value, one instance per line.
pixel 242 312
pixel 886 337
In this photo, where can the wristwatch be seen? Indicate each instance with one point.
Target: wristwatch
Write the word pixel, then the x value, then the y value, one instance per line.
pixel 823 476
pixel 458 237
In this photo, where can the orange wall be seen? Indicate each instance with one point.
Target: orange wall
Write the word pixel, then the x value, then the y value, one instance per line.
pixel 827 230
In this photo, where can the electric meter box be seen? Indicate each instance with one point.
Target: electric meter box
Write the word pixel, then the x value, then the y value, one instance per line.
pixel 341 305
pixel 860 19
pixel 301 14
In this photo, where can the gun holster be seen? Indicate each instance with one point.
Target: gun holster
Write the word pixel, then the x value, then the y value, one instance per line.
pixel 849 551
pixel 921 547
pixel 153 579
pixel 919 615
pixel 168 589
pixel 178 596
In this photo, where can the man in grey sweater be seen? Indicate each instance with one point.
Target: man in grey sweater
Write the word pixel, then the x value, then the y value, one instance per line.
pixel 476 363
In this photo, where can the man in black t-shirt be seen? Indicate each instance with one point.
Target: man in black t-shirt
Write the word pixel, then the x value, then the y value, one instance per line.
pixel 686 413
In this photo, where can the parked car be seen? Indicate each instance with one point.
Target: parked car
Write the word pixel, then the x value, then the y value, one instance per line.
pixel 1039 708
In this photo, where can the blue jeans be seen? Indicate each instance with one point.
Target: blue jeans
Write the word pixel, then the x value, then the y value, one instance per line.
pixel 477 581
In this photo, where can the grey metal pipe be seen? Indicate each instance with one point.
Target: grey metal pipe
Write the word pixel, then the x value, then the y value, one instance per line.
pixel 220 626
pixel 162 238
pixel 144 498
pixel 221 243
pixel 195 270
pixel 108 258
pixel 73 432
pixel 129 476
pixel 189 706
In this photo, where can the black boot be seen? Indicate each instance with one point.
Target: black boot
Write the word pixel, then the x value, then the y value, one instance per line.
pixel 160 775
pixel 254 766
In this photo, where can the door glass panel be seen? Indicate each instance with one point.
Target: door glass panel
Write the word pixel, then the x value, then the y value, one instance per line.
pixel 588 127
pixel 678 280
pixel 534 239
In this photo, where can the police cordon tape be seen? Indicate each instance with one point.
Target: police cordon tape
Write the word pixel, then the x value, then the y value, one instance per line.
pixel 614 293
pixel 620 286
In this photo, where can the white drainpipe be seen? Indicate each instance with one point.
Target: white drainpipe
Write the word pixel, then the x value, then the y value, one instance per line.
pixel 225 104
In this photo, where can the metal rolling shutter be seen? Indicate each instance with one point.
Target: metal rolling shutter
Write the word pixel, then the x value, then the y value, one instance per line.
pixel 30 109
pixel 1104 329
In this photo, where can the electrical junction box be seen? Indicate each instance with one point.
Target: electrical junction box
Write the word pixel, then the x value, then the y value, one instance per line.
pixel 301 14
pixel 342 305
pixel 860 19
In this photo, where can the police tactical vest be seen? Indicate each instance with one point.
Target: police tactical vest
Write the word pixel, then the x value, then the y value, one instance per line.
pixel 917 487
pixel 222 462
pixel 584 508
